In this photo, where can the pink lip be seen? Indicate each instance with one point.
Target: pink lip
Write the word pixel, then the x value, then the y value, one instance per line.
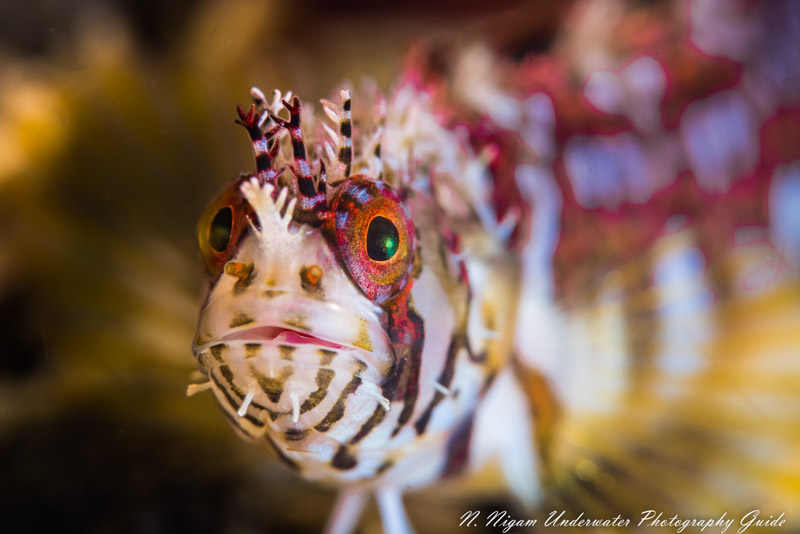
pixel 282 335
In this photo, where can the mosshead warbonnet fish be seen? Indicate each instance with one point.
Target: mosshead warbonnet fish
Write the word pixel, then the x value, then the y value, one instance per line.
pixel 356 312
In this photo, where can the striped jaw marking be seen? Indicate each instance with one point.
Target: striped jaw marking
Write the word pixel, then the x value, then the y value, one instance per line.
pixel 294 351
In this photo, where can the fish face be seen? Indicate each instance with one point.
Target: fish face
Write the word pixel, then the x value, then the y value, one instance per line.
pixel 295 349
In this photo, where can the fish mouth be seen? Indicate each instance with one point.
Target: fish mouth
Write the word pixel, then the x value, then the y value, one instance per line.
pixel 304 326
pixel 282 335
pixel 274 344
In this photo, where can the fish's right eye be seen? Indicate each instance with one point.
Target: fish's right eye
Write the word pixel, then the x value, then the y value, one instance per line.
pixel 219 234
pixel 222 225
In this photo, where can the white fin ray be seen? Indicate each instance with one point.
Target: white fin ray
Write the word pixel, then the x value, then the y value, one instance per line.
pixel 245 404
pixel 374 390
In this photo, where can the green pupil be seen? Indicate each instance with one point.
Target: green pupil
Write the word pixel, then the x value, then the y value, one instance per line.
pixel 221 229
pixel 383 240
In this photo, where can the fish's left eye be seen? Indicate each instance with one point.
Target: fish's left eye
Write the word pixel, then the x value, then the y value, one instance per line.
pixel 372 236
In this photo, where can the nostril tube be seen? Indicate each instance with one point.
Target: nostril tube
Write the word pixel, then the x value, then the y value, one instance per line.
pixel 311 279
pixel 243 272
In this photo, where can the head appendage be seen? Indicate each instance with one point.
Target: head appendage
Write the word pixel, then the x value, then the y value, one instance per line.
pixel 265 145
pixel 310 190
pixel 304 183
pixel 340 152
pixel 274 214
pixel 259 101
pixel 309 193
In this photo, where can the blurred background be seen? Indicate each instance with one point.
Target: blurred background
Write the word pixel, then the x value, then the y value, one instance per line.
pixel 116 128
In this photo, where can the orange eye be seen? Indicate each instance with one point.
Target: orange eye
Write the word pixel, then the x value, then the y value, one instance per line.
pixel 221 226
pixel 373 236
